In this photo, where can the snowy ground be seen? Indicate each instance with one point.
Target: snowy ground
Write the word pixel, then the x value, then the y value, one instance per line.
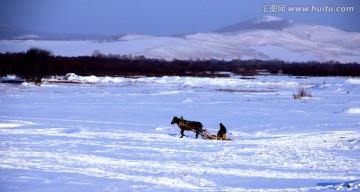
pixel 114 134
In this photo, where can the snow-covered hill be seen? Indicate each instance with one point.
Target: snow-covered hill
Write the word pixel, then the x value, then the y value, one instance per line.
pixel 263 38
pixel 265 23
pixel 266 38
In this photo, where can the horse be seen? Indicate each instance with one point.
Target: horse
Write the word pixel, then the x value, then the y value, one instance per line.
pixel 188 126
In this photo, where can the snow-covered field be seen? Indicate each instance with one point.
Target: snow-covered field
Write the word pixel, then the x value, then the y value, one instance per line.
pixel 114 134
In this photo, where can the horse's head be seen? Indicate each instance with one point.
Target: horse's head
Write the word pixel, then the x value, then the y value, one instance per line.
pixel 175 120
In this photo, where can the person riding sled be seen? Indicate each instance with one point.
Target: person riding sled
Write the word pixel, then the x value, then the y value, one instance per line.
pixel 222 132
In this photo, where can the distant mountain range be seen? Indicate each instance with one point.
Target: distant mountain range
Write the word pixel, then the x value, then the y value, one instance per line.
pixel 261 38
pixel 8 32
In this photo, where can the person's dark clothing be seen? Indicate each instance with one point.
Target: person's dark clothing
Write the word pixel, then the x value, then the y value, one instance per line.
pixel 222 130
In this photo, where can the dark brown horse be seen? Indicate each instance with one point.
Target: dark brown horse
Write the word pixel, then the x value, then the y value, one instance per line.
pixel 188 126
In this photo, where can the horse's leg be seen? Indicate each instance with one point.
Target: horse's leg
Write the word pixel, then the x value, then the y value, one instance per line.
pixel 199 131
pixel 182 133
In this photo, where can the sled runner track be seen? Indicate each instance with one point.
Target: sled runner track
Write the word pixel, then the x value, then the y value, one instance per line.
pixel 76 120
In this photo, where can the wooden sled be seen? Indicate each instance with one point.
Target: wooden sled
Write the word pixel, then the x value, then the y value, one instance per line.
pixel 207 136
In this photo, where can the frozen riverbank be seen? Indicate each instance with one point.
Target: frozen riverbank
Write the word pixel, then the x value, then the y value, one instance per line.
pixel 114 134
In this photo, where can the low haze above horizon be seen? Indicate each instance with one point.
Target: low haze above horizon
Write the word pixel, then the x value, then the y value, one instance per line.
pixel 165 17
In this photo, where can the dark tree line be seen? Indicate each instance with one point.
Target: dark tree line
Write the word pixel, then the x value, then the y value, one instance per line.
pixel 37 63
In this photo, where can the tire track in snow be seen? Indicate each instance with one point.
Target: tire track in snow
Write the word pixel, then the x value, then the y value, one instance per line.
pixel 77 121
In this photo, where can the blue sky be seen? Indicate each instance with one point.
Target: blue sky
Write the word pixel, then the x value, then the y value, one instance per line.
pixel 160 17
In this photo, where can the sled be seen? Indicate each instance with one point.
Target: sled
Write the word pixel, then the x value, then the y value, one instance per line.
pixel 207 136
pixel 213 137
